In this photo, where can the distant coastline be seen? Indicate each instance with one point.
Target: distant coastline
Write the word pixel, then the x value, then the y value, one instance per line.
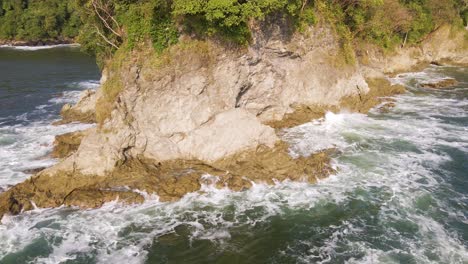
pixel 36 43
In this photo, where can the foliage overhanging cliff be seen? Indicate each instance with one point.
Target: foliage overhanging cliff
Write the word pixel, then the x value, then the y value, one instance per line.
pixel 107 25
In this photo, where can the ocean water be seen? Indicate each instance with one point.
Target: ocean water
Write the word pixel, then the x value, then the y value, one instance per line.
pixel 400 193
pixel 34 84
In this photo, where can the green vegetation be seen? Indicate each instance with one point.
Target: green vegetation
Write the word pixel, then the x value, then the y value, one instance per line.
pixel 229 18
pixel 30 20
pixel 107 25
pixel 389 23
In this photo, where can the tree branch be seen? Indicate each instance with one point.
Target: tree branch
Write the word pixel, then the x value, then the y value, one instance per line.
pixel 105 38
pixel 106 10
pixel 106 24
pixel 304 4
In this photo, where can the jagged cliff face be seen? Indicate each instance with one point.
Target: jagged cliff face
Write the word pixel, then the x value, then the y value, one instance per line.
pixel 210 102
pixel 443 45
pixel 207 108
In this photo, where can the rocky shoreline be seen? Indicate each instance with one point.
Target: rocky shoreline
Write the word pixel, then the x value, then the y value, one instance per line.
pixel 210 110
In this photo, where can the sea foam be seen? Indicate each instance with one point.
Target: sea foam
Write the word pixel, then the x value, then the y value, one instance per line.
pixel 385 204
pixel 34 48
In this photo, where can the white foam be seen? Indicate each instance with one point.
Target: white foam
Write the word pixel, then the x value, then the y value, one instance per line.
pixel 34 48
pixel 27 147
pixel 321 134
pixel 66 97
pixel 431 74
pixel 90 84
pixel 73 96
pixel 387 163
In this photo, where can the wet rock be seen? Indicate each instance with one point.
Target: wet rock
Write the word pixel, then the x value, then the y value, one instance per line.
pixel 83 111
pixel 268 165
pixel 67 144
pixel 34 171
pixel 301 114
pixel 436 63
pixel 440 84
pixel 379 90
pixel 92 198
pixel 386 107
pixel 170 180
pixel 5 188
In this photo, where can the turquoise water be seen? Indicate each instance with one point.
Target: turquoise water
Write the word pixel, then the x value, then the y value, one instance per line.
pixel 399 196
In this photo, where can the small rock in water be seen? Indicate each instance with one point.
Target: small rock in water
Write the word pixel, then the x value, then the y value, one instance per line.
pixel 440 84
pixel 385 108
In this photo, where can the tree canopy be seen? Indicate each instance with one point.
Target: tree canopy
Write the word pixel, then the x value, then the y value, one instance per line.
pixel 103 26
pixel 38 20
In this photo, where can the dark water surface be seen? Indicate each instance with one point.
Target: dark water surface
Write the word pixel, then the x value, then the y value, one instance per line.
pixel 34 84
pixel 400 194
pixel 31 78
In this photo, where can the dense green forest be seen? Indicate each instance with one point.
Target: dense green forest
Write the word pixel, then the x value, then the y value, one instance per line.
pixel 107 25
pixel 33 20
pixel 103 26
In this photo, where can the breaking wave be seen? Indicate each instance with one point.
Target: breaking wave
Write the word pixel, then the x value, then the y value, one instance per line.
pixel 26 141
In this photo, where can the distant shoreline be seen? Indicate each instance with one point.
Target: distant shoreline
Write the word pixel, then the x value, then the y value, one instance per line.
pixel 36 43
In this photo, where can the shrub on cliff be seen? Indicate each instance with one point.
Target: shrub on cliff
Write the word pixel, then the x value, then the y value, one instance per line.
pixel 230 18
pixel 389 23
pixel 109 24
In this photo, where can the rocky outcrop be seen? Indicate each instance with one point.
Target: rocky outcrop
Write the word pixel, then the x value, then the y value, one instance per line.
pixel 170 179
pixel 201 109
pixel 379 92
pixel 211 101
pixel 67 144
pixel 440 84
pixel 83 111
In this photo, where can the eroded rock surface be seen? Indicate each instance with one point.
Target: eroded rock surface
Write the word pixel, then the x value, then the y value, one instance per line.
pixel 209 101
pixel 83 111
